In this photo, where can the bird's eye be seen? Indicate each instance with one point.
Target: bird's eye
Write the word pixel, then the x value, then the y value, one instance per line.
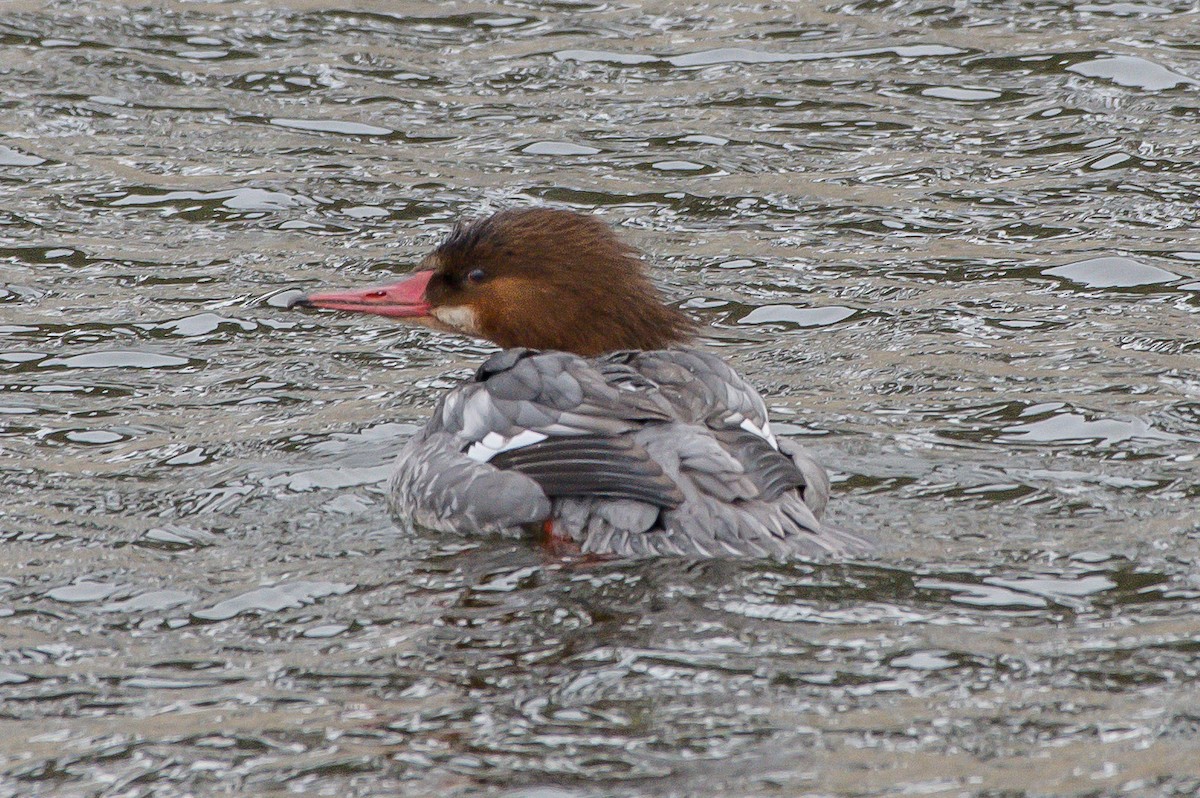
pixel 476 276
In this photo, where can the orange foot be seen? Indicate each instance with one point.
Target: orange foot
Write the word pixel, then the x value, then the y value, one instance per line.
pixel 557 545
pixel 562 547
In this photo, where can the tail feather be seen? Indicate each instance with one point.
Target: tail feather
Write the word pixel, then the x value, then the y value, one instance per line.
pixel 842 541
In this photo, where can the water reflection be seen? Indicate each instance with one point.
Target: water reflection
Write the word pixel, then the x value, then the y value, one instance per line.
pixel 1128 70
pixel 1112 272
pixel 955 253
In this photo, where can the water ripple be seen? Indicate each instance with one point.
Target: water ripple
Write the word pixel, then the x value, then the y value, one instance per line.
pixel 953 244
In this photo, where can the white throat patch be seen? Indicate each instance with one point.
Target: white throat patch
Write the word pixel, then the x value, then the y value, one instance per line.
pixel 460 317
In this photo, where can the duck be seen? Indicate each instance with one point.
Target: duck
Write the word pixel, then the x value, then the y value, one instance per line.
pixel 598 428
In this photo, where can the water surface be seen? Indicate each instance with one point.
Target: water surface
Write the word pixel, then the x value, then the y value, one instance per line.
pixel 954 244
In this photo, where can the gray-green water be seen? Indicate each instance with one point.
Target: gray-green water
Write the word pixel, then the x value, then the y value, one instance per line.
pixel 955 244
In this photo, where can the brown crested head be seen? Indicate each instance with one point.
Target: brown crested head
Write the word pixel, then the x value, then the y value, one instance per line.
pixel 549 279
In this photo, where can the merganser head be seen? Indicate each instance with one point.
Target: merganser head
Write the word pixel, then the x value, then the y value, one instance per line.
pixel 539 278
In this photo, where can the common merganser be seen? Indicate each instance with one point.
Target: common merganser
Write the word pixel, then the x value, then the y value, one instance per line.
pixel 587 429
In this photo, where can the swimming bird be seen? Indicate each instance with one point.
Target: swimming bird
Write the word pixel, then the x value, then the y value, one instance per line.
pixel 595 427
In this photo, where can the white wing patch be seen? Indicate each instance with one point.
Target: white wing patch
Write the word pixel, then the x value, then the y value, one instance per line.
pixel 494 443
pixel 763 432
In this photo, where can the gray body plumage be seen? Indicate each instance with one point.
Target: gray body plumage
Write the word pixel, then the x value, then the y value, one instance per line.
pixel 632 454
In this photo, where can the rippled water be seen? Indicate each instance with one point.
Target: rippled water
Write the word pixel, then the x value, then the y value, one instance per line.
pixel 956 244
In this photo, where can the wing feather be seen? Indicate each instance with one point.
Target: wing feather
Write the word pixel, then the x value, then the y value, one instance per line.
pixel 590 465
pixel 569 424
pixel 634 453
